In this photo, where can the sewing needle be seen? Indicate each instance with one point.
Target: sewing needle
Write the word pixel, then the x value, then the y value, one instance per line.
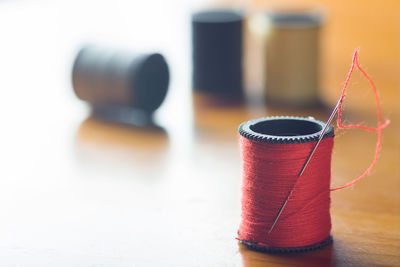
pixel 308 159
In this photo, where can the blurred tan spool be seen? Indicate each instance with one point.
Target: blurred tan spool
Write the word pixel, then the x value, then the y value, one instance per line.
pixel 292 58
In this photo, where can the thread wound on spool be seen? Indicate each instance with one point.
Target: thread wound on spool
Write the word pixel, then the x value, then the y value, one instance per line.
pixel 217 52
pixel 274 150
pixel 113 79
pixel 292 58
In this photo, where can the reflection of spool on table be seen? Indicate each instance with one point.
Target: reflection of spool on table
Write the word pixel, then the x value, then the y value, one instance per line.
pixel 292 56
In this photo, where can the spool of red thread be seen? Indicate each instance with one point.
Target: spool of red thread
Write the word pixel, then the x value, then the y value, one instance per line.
pixel 274 150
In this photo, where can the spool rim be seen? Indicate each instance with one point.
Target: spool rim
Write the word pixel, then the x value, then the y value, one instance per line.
pixel 249 131
pixel 292 19
pixel 217 16
pixel 277 250
pixel 148 93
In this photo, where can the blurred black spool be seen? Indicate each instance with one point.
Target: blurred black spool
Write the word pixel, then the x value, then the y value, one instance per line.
pixel 217 52
pixel 109 79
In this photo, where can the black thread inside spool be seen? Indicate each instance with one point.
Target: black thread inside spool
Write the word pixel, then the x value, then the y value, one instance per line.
pixel 286 127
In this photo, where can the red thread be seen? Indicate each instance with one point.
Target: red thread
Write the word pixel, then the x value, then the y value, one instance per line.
pixel 378 110
pixel 270 171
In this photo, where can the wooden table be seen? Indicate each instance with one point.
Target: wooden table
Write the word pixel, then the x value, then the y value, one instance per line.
pixel 77 191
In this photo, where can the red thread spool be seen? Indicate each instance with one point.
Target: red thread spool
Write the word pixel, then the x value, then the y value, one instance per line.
pixel 274 150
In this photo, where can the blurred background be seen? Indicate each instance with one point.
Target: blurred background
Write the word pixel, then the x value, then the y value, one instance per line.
pixel 76 189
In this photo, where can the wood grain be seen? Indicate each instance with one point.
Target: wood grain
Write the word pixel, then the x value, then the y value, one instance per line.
pixel 78 191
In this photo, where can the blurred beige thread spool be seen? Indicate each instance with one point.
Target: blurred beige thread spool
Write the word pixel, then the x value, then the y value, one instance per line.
pixel 292 58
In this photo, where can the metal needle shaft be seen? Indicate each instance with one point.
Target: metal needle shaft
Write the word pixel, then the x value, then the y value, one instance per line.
pixel 280 211
pixel 308 160
pixel 321 135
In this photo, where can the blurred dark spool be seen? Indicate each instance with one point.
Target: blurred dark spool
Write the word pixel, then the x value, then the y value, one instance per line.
pixel 217 52
pixel 292 58
pixel 113 79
